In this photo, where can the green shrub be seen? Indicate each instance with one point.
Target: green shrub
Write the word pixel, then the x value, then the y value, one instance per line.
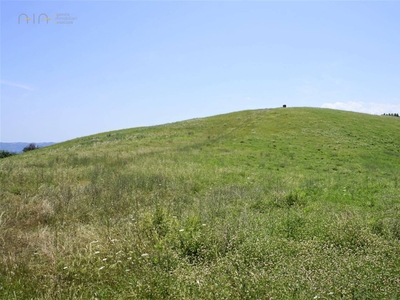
pixel 5 153
pixel 30 147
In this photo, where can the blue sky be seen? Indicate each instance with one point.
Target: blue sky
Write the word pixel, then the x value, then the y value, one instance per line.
pixel 123 64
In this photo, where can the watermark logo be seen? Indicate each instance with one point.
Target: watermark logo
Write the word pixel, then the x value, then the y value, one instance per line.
pixel 57 18
pixel 64 18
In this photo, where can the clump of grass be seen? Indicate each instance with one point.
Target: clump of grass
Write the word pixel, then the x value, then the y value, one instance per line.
pixel 291 199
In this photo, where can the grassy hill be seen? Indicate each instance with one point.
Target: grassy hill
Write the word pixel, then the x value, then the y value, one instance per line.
pixel 293 203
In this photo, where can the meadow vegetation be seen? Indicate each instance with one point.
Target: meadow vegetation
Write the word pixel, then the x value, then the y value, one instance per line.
pixel 288 203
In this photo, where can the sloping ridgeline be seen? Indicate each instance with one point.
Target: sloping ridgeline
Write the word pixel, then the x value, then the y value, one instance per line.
pixel 293 203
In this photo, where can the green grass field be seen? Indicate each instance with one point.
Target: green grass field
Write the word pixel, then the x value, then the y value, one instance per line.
pixel 294 203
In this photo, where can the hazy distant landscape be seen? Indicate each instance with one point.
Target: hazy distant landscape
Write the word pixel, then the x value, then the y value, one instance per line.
pixel 17 147
pixel 287 203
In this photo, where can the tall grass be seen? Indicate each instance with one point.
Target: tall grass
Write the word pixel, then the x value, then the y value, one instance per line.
pixel 267 204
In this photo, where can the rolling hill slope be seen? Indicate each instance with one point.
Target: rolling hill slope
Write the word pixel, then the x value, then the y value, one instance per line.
pixel 275 203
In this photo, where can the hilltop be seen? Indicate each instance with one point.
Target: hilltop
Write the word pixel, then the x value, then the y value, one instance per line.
pixel 273 203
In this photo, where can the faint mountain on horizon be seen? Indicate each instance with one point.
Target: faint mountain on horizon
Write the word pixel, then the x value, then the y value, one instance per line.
pixel 17 147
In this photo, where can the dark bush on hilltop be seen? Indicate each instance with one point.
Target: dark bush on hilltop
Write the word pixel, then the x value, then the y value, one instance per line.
pixel 30 147
pixel 4 153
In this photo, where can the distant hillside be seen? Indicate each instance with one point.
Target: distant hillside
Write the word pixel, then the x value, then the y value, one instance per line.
pixel 19 146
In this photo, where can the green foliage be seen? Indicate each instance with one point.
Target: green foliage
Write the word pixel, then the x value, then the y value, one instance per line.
pixel 289 203
pixel 30 147
pixel 4 153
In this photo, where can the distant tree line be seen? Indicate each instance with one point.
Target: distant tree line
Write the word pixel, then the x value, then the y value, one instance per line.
pixel 391 115
pixel 30 147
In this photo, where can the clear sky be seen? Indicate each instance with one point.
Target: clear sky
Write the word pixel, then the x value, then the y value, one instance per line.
pixel 123 64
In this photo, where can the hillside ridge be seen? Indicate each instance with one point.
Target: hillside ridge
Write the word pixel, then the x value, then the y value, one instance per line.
pixel 321 115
